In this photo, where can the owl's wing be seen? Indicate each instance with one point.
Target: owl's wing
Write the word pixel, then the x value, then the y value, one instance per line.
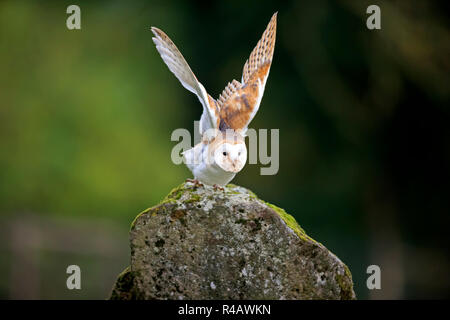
pixel 179 67
pixel 239 102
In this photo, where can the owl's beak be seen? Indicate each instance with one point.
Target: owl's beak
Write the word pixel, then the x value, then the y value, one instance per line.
pixel 236 166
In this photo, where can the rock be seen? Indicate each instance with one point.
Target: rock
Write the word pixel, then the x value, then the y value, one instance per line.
pixel 202 243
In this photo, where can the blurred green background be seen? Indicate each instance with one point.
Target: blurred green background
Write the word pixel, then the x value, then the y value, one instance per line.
pixel 86 117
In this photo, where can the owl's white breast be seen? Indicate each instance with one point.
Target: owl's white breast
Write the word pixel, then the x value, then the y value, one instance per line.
pixel 205 169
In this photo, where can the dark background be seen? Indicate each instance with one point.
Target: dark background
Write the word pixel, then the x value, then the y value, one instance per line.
pixel 86 118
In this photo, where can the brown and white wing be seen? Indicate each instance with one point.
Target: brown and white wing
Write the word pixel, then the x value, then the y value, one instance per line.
pixel 180 68
pixel 239 102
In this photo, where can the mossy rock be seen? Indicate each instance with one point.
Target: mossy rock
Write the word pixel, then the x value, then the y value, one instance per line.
pixel 207 243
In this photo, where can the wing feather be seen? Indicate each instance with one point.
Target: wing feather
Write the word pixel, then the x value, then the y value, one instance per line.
pixel 239 102
pixel 180 68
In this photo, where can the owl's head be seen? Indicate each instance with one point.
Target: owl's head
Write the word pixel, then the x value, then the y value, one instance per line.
pixel 230 153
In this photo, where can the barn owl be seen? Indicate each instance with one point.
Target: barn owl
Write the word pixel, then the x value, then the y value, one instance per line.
pixel 222 152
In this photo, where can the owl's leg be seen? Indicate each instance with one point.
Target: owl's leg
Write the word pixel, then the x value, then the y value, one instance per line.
pixel 216 187
pixel 195 182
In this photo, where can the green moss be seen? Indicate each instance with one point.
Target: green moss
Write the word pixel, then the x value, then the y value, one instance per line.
pixel 252 194
pixel 194 198
pixel 143 212
pixel 290 222
pixel 346 284
pixel 175 193
pixel 230 190
pixel 173 196
pixel 123 288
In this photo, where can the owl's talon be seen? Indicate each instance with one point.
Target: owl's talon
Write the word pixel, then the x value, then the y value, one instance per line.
pixel 216 187
pixel 195 182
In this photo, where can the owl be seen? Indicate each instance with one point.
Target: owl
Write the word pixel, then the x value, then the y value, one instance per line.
pixel 222 152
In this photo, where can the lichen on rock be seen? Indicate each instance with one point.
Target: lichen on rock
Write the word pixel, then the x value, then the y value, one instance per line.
pixel 207 243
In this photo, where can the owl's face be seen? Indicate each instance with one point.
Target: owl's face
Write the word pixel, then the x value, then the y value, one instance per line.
pixel 231 157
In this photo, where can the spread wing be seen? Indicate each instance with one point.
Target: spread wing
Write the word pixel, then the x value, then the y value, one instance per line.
pixel 179 67
pixel 239 102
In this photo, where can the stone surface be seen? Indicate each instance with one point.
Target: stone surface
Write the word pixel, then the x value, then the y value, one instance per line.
pixel 202 243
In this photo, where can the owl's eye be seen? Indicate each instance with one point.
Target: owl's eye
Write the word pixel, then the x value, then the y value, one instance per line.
pixel 224 153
